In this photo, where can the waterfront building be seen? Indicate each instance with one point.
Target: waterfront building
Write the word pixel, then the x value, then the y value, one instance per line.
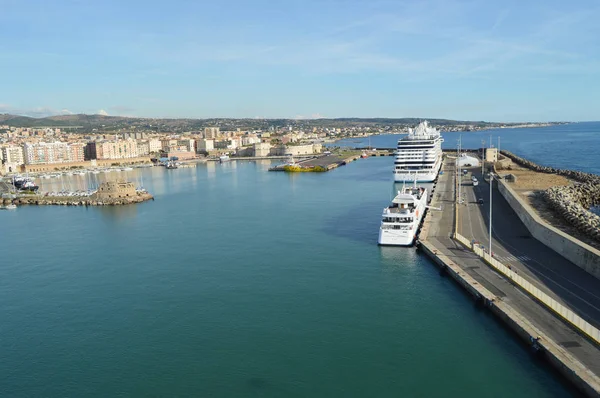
pixel 52 152
pixel 189 144
pixel 167 143
pixel 262 149
pixel 125 149
pixel 143 148
pixel 250 140
pixel 294 150
pixel 205 145
pixel 154 145
pixel 180 153
pixel 13 154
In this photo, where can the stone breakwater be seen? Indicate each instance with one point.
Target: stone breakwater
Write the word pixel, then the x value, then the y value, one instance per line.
pixel 570 202
pixel 573 202
pixel 579 176
pixel 69 201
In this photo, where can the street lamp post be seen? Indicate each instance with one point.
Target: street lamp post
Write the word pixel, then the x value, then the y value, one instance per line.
pixel 491 181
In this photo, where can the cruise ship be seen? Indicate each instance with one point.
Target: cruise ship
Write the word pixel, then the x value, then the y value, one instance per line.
pixel 400 220
pixel 420 154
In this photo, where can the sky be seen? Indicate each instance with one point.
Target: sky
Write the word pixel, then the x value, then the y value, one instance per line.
pixel 507 60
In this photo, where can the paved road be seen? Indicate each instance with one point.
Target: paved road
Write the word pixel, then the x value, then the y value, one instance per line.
pixel 513 245
pixel 442 224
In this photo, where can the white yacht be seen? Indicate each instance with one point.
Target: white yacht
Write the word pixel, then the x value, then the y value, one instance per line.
pixel 400 220
pixel 420 153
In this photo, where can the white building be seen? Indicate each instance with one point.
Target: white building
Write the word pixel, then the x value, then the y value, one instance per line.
pixel 262 149
pixel 13 155
pixel 53 152
pixel 205 145
pixel 190 144
pixel 143 148
pixel 154 145
pixel 250 140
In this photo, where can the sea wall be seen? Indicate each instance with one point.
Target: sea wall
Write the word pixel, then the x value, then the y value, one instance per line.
pixel 570 202
pixel 574 250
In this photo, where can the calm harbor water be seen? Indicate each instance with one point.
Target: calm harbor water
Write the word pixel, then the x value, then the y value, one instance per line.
pixel 571 146
pixel 236 281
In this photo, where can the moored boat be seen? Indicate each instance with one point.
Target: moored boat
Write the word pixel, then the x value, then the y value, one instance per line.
pixel 420 154
pixel 402 218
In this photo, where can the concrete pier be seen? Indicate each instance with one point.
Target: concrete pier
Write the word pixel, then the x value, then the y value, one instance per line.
pixel 576 357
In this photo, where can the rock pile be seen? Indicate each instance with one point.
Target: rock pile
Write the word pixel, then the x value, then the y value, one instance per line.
pixel 571 202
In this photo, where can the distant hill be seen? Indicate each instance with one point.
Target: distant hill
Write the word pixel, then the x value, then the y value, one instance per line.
pixel 113 123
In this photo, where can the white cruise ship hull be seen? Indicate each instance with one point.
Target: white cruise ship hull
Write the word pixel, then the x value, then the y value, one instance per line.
pixel 410 177
pixel 396 237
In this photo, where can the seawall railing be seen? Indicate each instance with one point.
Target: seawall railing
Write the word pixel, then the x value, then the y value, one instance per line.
pixel 556 307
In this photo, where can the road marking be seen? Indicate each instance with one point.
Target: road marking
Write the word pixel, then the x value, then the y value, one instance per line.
pixel 484 217
pixel 511 258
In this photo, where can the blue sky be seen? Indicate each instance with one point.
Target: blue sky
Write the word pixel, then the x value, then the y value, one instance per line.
pixel 475 60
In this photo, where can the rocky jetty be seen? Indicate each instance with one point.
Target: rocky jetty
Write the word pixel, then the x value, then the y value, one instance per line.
pixel 570 202
pixel 71 201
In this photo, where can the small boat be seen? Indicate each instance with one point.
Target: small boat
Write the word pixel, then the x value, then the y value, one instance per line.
pixel 128 169
pixel 364 155
pixel 29 186
pixel 171 165
pixel 224 158
pixel 9 207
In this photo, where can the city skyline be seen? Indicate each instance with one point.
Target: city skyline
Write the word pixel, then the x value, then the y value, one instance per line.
pixel 509 62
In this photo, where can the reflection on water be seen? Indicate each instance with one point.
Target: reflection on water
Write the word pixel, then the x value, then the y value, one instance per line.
pixel 211 170
pixel 118 213
pixel 394 257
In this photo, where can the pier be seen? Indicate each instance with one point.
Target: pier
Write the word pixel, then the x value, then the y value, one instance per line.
pixel 546 299
pixel 330 161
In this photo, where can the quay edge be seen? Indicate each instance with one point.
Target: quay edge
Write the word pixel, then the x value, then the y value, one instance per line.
pixel 566 364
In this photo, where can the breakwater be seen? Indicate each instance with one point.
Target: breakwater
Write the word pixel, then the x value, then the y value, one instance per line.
pixel 73 201
pixel 572 203
pixel 579 176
